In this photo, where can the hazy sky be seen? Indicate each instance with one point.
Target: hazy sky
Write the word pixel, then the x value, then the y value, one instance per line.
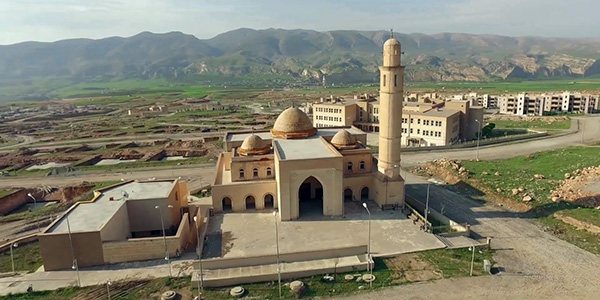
pixel 50 20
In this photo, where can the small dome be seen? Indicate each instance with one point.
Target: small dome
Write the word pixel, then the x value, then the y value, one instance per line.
pixel 254 145
pixel 391 42
pixel 293 123
pixel 344 140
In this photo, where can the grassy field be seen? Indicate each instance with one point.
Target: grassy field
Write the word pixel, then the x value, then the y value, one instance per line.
pixel 519 171
pixel 27 258
pixel 538 124
pixel 579 84
pixel 4 192
pixel 449 263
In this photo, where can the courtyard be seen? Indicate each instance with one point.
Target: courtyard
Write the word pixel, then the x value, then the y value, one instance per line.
pixel 235 235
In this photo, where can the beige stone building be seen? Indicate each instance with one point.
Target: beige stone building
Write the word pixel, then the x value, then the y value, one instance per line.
pixel 424 122
pixel 302 170
pixel 120 224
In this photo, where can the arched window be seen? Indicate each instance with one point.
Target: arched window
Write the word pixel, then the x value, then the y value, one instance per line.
pixel 241 173
pixel 350 167
pixel 255 172
pixel 268 171
pixel 362 165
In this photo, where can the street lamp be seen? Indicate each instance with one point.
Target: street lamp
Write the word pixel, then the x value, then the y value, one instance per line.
pixel 12 260
pixel 108 283
pixel 478 138
pixel 427 205
pixel 277 245
pixel 34 205
pixel 75 265
pixel 369 267
pixel 472 248
pixel 162 223
pixel 199 253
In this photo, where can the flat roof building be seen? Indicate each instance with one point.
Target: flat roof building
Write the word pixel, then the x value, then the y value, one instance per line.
pixel 121 223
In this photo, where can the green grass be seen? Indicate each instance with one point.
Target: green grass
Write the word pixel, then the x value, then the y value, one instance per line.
pixel 457 263
pixel 538 124
pixel 4 192
pixel 519 171
pixel 580 238
pixel 451 263
pixel 588 215
pixel 27 258
pixel 571 84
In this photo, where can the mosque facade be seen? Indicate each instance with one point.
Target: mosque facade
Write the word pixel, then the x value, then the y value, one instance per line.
pixel 301 170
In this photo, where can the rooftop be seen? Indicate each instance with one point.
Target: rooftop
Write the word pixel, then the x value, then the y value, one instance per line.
pixel 309 148
pixel 92 216
pixel 266 135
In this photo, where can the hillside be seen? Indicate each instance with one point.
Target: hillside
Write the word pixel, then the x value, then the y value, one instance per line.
pixel 340 56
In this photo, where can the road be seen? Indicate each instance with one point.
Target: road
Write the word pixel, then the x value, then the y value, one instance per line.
pixel 536 264
pixel 589 132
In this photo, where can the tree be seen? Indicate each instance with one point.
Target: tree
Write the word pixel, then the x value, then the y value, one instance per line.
pixel 487 129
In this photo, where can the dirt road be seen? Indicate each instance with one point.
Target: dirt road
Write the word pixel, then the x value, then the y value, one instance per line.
pixel 536 264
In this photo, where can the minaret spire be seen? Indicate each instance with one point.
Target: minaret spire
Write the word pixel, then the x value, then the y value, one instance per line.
pixel 389 183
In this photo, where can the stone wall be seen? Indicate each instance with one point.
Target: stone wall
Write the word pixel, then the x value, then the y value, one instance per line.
pixel 147 248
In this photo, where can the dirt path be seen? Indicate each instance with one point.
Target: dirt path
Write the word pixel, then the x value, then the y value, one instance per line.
pixel 536 264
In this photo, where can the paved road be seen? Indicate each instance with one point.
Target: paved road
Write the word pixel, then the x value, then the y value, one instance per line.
pixel 589 132
pixel 537 265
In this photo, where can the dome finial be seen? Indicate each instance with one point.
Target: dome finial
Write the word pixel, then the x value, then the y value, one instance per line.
pixel 391 33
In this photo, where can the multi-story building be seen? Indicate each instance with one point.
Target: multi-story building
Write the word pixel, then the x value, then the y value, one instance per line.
pixel 538 105
pixel 424 123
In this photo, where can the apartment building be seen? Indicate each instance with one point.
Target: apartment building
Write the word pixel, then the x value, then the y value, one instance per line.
pixel 424 123
pixel 538 105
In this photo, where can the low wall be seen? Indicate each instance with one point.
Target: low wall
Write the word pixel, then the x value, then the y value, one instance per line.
pixel 21 241
pixel 147 248
pixel 457 228
pixel 473 144
pixel 321 269
pixel 90 162
pixel 224 263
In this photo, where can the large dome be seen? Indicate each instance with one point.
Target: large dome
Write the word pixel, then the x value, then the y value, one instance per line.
pixel 344 140
pixel 254 145
pixel 293 123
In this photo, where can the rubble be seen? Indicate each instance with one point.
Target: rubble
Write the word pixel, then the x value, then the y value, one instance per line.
pixel 539 176
pixel 573 188
pixel 527 198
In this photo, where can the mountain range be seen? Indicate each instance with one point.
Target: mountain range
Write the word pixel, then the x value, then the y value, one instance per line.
pixel 339 56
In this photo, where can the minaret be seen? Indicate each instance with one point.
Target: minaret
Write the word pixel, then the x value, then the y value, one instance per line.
pixel 391 95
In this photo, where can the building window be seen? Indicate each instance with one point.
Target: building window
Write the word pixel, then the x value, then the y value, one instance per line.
pixel 411 130
pixel 395 80
pixel 418 131
pixel 362 165
pixel 411 120
pixel 268 171
pixel 384 80
pixel 350 167
pixel 255 172
pixel 418 121
pixel 241 173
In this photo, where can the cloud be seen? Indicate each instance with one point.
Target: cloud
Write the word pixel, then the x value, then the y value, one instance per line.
pixel 44 20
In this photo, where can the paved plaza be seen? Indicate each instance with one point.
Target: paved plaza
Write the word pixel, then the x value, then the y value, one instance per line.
pixel 253 234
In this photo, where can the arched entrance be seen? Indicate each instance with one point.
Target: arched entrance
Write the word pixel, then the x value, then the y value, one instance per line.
pixel 347 195
pixel 269 201
pixel 310 197
pixel 226 203
pixel 364 194
pixel 250 202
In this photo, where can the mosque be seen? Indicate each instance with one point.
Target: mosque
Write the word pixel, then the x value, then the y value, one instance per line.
pixel 299 170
